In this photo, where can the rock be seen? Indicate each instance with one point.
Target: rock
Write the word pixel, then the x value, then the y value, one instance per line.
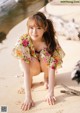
pixel 2 36
pixel 5 6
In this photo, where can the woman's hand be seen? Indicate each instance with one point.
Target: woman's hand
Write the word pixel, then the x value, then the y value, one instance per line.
pixel 50 99
pixel 28 103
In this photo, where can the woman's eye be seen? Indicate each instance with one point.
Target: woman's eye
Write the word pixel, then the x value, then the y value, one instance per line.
pixel 38 27
pixel 31 27
pixel 35 28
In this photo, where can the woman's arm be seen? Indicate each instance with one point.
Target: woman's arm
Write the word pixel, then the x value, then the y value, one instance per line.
pixel 51 81
pixel 51 77
pixel 28 102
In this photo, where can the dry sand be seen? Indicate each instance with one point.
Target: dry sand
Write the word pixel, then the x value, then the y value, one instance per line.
pixel 11 79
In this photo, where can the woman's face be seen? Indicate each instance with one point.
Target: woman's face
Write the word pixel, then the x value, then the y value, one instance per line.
pixel 35 32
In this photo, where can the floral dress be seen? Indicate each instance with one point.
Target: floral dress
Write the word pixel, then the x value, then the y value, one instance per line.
pixel 24 49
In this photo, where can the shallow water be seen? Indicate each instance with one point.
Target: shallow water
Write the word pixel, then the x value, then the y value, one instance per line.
pixel 16 14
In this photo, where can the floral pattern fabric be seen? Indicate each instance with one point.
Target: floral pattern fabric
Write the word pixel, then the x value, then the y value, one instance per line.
pixel 24 49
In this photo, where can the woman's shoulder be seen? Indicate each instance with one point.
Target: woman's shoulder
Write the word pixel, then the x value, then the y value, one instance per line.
pixel 25 40
pixel 24 36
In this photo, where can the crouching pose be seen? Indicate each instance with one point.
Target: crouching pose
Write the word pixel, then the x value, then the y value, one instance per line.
pixel 75 75
pixel 38 51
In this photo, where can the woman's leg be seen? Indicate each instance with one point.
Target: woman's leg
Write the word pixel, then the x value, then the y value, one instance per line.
pixel 44 68
pixel 29 69
pixel 34 68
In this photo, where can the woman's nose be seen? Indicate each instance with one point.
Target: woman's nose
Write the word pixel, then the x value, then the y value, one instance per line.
pixel 34 30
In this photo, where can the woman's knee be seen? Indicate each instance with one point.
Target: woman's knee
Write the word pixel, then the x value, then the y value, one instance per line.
pixel 34 66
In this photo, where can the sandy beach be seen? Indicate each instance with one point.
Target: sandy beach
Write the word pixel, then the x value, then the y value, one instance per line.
pixel 11 79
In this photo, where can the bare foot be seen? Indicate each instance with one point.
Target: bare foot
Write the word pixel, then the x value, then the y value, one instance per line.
pixel 46 85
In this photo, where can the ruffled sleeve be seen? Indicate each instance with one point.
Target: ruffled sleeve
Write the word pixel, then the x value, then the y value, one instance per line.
pixel 22 48
pixel 54 61
pixel 57 57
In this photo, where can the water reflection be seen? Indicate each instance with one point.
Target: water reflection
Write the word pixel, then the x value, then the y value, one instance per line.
pixel 17 13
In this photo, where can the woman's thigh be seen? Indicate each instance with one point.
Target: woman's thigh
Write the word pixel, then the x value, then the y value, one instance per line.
pixel 44 68
pixel 35 68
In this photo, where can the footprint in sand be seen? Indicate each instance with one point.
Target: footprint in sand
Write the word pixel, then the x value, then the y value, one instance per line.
pixel 60 111
pixel 35 85
pixel 21 91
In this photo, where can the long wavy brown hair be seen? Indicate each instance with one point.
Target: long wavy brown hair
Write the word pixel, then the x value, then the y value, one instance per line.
pixel 49 34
